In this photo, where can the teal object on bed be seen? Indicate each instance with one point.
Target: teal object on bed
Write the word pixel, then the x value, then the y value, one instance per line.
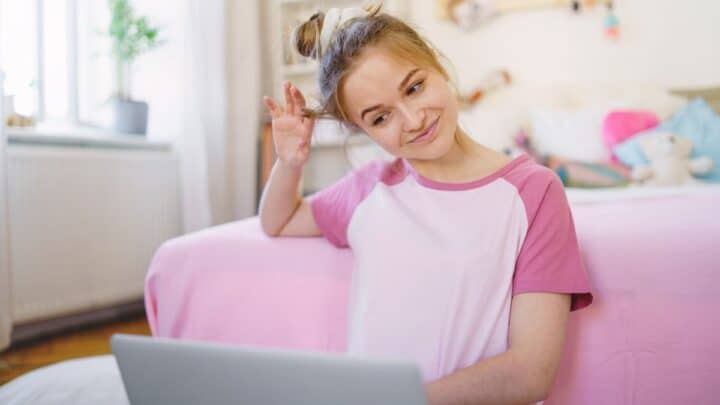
pixel 591 175
pixel 697 121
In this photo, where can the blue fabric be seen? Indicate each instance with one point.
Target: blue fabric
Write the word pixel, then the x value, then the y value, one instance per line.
pixel 696 121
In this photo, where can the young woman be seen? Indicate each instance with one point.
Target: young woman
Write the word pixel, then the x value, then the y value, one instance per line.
pixel 467 261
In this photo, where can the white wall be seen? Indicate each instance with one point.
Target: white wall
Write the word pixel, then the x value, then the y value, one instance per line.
pixel 244 102
pixel 672 43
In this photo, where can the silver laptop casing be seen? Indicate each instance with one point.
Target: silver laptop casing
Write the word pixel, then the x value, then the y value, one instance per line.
pixel 165 371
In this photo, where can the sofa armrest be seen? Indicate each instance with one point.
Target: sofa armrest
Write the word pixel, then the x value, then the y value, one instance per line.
pixel 234 284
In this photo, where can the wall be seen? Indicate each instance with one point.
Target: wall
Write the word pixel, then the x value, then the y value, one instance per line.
pixel 667 42
pixel 245 109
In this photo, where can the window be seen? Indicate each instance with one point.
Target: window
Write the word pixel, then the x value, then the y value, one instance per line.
pixel 57 58
pixel 18 35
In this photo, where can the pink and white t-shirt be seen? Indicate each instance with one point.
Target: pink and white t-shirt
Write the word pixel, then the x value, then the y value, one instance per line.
pixel 437 264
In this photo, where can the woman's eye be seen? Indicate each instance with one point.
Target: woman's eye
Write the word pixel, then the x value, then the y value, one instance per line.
pixel 415 87
pixel 379 119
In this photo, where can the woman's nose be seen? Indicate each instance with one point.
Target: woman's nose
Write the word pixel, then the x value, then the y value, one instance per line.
pixel 414 118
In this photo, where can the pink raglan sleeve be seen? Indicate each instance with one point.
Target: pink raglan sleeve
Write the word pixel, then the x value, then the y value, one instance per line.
pixel 333 206
pixel 550 259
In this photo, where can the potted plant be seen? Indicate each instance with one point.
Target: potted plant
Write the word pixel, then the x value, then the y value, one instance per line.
pixel 131 36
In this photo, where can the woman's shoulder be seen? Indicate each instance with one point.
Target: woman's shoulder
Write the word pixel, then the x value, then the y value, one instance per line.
pixel 528 172
pixel 534 182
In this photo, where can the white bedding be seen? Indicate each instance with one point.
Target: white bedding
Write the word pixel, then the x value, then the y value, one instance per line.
pixel 86 381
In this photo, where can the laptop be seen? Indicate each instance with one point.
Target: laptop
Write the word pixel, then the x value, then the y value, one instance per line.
pixel 165 371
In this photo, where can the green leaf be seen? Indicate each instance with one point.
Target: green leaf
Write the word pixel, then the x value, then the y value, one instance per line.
pixel 131 35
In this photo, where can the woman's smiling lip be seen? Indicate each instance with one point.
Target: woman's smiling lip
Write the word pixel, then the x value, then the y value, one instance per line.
pixel 427 135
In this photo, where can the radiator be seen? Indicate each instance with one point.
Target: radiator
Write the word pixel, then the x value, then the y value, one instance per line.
pixel 84 223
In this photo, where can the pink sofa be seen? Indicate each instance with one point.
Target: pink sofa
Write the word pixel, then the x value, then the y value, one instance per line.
pixel 652 336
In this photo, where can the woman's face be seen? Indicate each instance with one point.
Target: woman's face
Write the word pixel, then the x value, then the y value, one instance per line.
pixel 408 110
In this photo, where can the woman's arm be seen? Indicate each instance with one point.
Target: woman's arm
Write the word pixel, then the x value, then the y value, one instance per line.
pixel 282 211
pixel 523 374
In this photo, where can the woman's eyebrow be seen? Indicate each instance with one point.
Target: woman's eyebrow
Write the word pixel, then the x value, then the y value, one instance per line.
pixel 407 78
pixel 400 88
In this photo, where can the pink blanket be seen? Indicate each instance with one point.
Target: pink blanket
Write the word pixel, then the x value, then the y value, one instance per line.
pixel 652 335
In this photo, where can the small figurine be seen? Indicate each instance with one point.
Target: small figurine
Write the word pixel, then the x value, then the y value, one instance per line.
pixel 612 24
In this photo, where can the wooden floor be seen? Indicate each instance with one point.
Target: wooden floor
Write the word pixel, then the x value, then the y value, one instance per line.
pixel 82 343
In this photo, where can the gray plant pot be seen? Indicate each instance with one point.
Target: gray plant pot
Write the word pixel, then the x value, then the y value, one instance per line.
pixel 130 116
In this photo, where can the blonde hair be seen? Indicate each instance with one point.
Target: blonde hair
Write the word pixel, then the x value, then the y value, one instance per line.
pixel 346 46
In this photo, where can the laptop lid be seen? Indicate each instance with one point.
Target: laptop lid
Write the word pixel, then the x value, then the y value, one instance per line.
pixel 166 371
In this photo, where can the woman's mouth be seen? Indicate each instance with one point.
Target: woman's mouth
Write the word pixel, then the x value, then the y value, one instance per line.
pixel 427 135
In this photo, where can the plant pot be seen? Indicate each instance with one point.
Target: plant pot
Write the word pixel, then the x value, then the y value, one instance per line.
pixel 130 116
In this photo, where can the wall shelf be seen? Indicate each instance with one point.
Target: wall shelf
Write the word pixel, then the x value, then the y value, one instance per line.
pixel 299 69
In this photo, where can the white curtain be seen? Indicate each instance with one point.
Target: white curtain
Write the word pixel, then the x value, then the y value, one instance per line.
pixel 201 122
pixel 200 84
pixel 5 298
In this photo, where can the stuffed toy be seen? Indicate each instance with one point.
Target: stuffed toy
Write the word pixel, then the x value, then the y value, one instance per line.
pixel 470 14
pixel 491 82
pixel 669 161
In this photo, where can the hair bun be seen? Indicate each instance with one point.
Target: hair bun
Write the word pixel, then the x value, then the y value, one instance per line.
pixel 306 37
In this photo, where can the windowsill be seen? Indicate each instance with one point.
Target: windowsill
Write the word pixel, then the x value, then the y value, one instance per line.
pixel 68 135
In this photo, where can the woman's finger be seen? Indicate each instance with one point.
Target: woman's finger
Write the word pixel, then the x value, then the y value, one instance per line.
pixel 274 109
pixel 308 128
pixel 298 98
pixel 289 102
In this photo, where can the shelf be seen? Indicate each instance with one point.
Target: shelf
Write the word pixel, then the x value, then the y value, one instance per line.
pixel 81 136
pixel 323 4
pixel 293 2
pixel 340 141
pixel 300 69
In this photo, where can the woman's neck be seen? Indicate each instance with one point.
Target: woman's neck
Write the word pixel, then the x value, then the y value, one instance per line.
pixel 465 161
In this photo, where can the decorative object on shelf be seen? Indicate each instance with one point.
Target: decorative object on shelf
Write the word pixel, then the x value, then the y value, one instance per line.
pixel 576 6
pixel 131 36
pixel 612 24
pixel 19 121
pixel 471 14
pixel 489 83
pixel 10 117
pixel 467 14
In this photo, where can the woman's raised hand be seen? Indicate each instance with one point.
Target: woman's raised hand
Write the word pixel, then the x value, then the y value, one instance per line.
pixel 291 127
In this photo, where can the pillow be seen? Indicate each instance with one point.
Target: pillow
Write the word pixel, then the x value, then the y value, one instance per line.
pixel 495 120
pixel 696 121
pixel 628 96
pixel 621 125
pixel 570 134
pixel 499 115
